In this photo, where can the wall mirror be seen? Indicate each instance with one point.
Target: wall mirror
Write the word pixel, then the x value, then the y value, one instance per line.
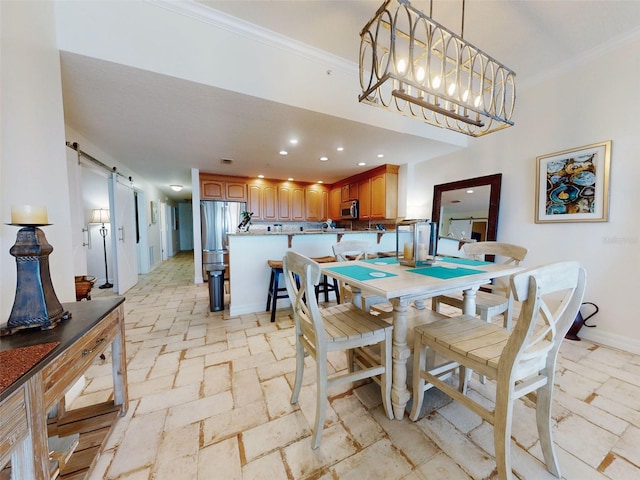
pixel 463 216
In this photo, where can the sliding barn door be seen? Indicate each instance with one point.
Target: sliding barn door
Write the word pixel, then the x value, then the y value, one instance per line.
pixel 123 233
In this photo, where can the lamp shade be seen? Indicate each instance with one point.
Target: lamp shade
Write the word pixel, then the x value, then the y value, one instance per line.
pixel 100 215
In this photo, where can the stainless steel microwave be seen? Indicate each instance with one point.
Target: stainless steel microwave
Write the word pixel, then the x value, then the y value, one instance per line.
pixel 349 210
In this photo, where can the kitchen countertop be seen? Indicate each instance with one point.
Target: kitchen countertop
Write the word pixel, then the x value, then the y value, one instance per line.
pixel 334 231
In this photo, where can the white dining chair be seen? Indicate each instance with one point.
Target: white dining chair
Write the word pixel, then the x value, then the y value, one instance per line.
pixel 521 361
pixel 351 250
pixel 499 300
pixel 341 327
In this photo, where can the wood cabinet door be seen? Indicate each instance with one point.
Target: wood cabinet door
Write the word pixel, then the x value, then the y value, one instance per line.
pixel 254 200
pixel 313 204
pixel 334 203
pixel 364 199
pixel 284 202
pixel 212 190
pixel 236 191
pixel 297 204
pixel 270 202
pixel 378 197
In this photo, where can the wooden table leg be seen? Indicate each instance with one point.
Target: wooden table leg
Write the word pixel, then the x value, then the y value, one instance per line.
pixel 469 301
pixel 400 394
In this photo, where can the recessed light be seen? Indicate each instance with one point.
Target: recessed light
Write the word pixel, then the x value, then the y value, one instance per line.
pixel 469 191
pixel 283 152
pixel 380 155
pixel 324 159
pixel 290 179
pixel 362 164
pixel 320 181
pixel 293 141
pixel 176 188
pixel 340 149
pixel 260 176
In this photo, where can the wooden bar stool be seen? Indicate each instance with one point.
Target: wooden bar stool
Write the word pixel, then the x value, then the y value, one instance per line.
pixel 275 292
pixel 324 286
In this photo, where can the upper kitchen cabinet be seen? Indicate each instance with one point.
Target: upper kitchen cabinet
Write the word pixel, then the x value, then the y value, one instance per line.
pixel 316 203
pixel 349 191
pixel 213 187
pixel 377 193
pixel 291 202
pixel 263 200
pixel 334 203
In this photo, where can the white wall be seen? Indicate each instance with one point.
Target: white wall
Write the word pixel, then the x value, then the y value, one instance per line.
pixel 564 112
pixel 33 159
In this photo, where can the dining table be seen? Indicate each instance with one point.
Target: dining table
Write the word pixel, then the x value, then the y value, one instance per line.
pixel 403 284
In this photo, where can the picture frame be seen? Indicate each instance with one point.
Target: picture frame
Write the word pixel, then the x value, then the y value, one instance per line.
pixel 573 185
pixel 154 212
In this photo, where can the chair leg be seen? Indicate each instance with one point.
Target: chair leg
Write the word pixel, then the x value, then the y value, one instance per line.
pixel 543 419
pixel 419 363
pixel 299 371
pixel 502 431
pixel 435 305
pixel 385 379
pixel 274 296
pixel 270 294
pixel 321 400
pixel 336 289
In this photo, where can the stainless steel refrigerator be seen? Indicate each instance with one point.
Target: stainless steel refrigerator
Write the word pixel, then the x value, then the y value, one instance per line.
pixel 218 219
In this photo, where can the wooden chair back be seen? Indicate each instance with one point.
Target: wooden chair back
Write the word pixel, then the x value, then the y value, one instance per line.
pixel 536 338
pixel 301 276
pixel 352 250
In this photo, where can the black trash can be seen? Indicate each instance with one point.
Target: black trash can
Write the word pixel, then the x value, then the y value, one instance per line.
pixel 216 290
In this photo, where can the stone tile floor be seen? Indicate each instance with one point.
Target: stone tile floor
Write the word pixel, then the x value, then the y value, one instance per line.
pixel 209 399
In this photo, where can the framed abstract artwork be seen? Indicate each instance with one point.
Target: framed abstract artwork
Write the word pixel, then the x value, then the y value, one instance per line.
pixel 154 212
pixel 573 185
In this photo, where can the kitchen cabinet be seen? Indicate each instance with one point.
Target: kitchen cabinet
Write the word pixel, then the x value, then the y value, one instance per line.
pixel 378 194
pixel 291 202
pixel 334 203
pixel 212 188
pixel 316 203
pixel 364 199
pixel 349 192
pixel 262 200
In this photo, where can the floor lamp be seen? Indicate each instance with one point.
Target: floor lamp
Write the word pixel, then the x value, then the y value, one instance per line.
pixel 101 215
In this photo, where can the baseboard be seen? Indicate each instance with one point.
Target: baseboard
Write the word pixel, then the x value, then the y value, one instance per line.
pixel 601 337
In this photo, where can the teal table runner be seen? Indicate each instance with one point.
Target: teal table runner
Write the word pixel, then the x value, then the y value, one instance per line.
pixel 382 261
pixel 358 272
pixel 465 261
pixel 443 272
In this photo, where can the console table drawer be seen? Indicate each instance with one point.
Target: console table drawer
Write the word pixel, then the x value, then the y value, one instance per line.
pixel 69 366
pixel 14 423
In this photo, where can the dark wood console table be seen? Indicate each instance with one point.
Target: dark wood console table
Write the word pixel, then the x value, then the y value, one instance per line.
pixel 32 407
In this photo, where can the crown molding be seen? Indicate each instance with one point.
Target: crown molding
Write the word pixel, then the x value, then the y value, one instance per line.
pixel 218 19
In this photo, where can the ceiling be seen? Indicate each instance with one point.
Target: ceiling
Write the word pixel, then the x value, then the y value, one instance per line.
pixel 161 126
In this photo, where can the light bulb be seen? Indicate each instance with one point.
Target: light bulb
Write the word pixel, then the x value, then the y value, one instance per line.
pixel 436 82
pixel 402 66
pixel 420 74
pixel 451 89
pixel 465 95
pixel 476 102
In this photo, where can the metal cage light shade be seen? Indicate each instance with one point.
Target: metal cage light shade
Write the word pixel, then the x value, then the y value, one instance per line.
pixel 411 64
pixel 100 215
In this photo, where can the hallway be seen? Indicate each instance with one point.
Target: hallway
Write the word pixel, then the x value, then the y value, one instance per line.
pixel 209 399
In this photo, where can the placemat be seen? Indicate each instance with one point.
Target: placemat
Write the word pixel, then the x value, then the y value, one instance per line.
pixel 382 261
pixel 16 362
pixel 358 272
pixel 443 272
pixel 465 261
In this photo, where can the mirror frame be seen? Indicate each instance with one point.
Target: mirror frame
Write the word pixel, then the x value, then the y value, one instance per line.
pixel 494 181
